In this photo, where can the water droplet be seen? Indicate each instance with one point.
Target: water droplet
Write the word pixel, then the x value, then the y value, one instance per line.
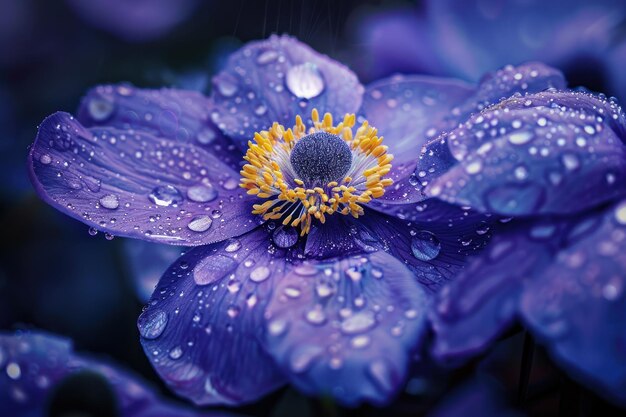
pixel 613 289
pixel 316 315
pixel 100 109
pixel 226 85
pixel 474 168
pixel 45 159
pixel 358 323
pixel 202 193
pixel 360 342
pixel 292 292
pixel 570 161
pixel 515 199
pixel 206 136
pixel 230 184
pixel 260 273
pixel 233 245
pixel 200 223
pixel 266 57
pixel 110 201
pixel 620 213
pixel 425 246
pixel 277 327
pixel 165 196
pixel 520 138
pixel 305 81
pixel 285 236
pixel 176 353
pixel 151 323
pixel 13 370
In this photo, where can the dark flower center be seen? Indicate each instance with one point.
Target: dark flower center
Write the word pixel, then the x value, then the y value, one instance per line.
pixel 320 158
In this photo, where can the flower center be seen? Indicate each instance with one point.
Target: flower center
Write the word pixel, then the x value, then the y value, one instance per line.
pixel 321 157
pixel 312 172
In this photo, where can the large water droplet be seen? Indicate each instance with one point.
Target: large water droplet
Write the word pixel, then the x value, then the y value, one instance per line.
pixel 285 236
pixel 358 323
pixel 305 81
pixel 520 138
pixel 316 315
pixel 100 109
pixel 200 224
pixel 260 273
pixel 515 199
pixel 110 201
pixel 151 323
pixel 165 196
pixel 13 370
pixel 202 193
pixel 425 246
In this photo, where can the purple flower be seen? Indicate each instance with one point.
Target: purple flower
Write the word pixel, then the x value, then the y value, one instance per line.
pixel 136 20
pixel 327 286
pixel 468 38
pixel 39 368
pixel 554 160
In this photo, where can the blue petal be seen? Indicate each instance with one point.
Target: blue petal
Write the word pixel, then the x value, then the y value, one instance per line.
pixel 482 301
pixel 201 329
pixel 275 80
pixel 496 86
pixel 552 152
pixel 577 305
pixel 132 183
pixel 408 112
pixel 35 364
pixel 177 115
pixel 346 327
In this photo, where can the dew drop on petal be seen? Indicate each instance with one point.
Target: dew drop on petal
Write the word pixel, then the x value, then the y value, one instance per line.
pixel 13 370
pixel 152 323
pixel 45 159
pixel 305 81
pixel 260 273
pixel 425 246
pixel 165 196
pixel 200 223
pixel 100 109
pixel 110 201
pixel 202 193
pixel 285 237
pixel 358 323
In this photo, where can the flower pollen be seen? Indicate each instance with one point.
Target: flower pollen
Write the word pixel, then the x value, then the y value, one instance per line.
pixel 305 173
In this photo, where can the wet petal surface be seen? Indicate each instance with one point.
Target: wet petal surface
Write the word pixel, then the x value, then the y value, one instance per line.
pixel 408 112
pixel 553 152
pixel 276 79
pixel 576 305
pixel 134 184
pixel 178 115
pixel 346 327
pixel 201 328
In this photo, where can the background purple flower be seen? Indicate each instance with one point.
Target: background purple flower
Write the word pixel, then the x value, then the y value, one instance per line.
pixel 44 376
pixel 469 38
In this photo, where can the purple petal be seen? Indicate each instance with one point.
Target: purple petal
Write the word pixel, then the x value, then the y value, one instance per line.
pixel 276 79
pixel 576 306
pixel 136 21
pixel 509 81
pixel 134 184
pixel 408 112
pixel 37 364
pixel 177 115
pixel 553 152
pixel 481 303
pixel 346 327
pixel 201 328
